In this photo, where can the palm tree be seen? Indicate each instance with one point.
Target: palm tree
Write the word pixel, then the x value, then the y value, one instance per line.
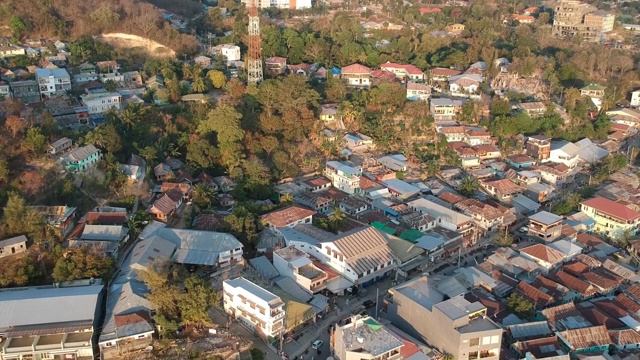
pixel 286 198
pixel 199 85
pixel 187 72
pixel 468 185
pixel 203 195
pixel 135 223
pixel 336 219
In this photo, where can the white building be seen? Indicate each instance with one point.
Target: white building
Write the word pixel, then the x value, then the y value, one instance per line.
pixel 447 218
pixel 254 306
pixel 229 51
pixel 564 152
pixel 465 85
pixel 442 109
pixel 343 177
pixel 296 264
pixel 635 98
pixel 53 82
pixel 101 102
pixel 282 4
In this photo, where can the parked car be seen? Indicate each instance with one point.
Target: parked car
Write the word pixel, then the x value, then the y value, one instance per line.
pixel 369 304
pixel 523 229
pixel 317 344
pixel 360 310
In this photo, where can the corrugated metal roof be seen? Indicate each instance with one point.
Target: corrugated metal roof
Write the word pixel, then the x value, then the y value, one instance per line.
pixel 528 330
pixel 364 249
pixel 264 267
pixel 33 306
pixel 292 288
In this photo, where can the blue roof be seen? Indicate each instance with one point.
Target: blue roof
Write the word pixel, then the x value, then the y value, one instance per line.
pixel 264 267
pixel 336 71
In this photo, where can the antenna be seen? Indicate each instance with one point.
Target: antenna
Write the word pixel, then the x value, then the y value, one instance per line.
pixel 254 66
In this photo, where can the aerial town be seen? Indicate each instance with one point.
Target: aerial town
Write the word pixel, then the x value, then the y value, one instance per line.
pixel 319 180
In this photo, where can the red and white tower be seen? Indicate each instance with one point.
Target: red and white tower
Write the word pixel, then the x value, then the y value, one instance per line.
pixel 254 66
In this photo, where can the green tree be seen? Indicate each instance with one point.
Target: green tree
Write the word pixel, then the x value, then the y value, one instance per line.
pixel 81 263
pixel 110 85
pixel 35 141
pixel 500 107
pixel 199 85
pixel 197 298
pixel 468 186
pixel 18 26
pixel 504 239
pixel 136 222
pixel 18 218
pixel 217 78
pixel 520 306
pixel 4 171
pixel 242 224
pixel 204 195
pixel 224 121
pixel 336 220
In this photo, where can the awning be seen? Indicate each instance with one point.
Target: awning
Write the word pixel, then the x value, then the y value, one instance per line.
pixel 413 263
pixel 338 284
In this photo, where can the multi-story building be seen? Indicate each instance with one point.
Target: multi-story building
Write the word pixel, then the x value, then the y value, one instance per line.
pixel 26 90
pixel 442 109
pixel 5 90
pixel 545 225
pixel 612 219
pixel 533 109
pixel 10 51
pixel 366 339
pixel 82 158
pixel 53 82
pixel 418 91
pixel 574 18
pixel 485 217
pixel 50 323
pixel 296 264
pixel 454 326
pixel 447 218
pixel 404 71
pixel 230 51
pixel 538 147
pixel 101 102
pixel 564 152
pixel 357 75
pixel 343 177
pixel 281 4
pixel 254 306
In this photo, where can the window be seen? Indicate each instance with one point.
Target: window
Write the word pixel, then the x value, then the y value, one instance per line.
pixel 474 342
pixel 486 340
pixel 495 339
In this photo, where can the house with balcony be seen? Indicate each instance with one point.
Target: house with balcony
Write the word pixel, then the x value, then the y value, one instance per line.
pixel 502 189
pixel 99 102
pixel 53 82
pixel 418 92
pixel 454 325
pixel 545 225
pixel 83 158
pixel 556 174
pixel 538 147
pixel 445 217
pixel 612 219
pixel 47 322
pixel 366 339
pixel 343 177
pixel 485 151
pixel 477 136
pixel 254 306
pixel 485 217
pixel 443 109
pixel 276 65
pixel 26 90
pixel 465 85
pixel 297 265
pixel 59 146
pixel 564 152
pixel 357 75
pixel 404 72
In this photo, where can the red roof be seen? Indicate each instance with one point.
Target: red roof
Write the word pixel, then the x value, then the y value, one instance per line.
pixel 104 218
pixel 523 17
pixel 430 10
pixel 288 215
pixel 444 72
pixel 356 69
pixel 535 296
pixel 276 60
pixel 408 348
pixel 612 209
pixel 383 75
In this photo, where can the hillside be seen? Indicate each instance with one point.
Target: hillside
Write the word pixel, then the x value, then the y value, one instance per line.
pixel 70 19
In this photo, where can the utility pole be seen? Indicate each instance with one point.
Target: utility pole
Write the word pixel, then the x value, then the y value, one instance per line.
pixel 254 66
pixel 377 298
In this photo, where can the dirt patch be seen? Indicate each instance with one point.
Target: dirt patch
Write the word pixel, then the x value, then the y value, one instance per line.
pixel 128 41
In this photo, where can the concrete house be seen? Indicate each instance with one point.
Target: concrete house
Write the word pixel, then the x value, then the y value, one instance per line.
pixel 254 306
pixel 612 218
pixel 343 177
pixel 26 90
pixel 14 245
pixel 564 152
pixel 99 102
pixel 53 82
pixel 289 216
pixel 65 318
pixel 463 328
pixel 545 225
pixel 418 91
pixel 544 256
pixel 297 264
pixel 276 65
pixel 82 158
pixel 357 75
pixel 365 338
pixel 404 72
pixel 538 147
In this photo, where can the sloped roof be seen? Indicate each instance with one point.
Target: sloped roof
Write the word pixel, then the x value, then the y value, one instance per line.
pixel 574 283
pixel 356 69
pixel 127 312
pixel 82 153
pixel 550 287
pixel 586 337
pixel 288 215
pixel 529 330
pixel 624 337
pixel 544 253
pixel 538 298
pixel 612 208
pixel 264 267
pixel 13 241
pixel 364 248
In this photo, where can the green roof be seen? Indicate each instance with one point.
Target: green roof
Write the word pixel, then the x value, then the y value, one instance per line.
pixel 382 227
pixel 411 235
pixel 594 87
pixel 372 324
